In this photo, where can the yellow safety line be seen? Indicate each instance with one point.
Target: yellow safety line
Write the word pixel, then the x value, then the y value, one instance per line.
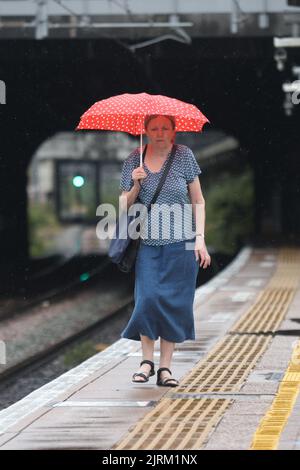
pixel 268 433
pixel 186 423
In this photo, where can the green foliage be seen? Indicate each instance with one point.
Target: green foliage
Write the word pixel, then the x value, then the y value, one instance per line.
pixel 43 225
pixel 229 212
pixel 80 353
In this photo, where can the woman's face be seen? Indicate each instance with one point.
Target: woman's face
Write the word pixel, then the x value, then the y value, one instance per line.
pixel 160 132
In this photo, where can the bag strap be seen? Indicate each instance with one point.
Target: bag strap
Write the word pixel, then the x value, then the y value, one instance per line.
pixel 163 176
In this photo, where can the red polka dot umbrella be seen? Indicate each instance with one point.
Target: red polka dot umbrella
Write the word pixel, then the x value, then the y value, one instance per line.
pixel 127 113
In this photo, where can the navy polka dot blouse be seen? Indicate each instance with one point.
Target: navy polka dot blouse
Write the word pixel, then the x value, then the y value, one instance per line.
pixel 173 225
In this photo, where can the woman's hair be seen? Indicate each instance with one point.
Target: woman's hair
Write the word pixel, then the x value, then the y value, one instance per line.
pixel 153 116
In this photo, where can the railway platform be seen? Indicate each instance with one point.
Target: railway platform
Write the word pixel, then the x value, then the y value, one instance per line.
pixel 238 387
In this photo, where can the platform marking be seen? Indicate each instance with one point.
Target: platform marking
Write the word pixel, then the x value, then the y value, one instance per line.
pixel 102 404
pixel 268 433
pixel 266 264
pixel 225 275
pixel 122 348
pixel 179 424
pixel 48 392
pixel 255 282
pixel 241 296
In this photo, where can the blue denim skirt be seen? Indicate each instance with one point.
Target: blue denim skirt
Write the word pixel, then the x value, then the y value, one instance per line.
pixel 165 282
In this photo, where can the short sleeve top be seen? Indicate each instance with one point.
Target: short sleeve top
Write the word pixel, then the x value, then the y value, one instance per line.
pixel 171 218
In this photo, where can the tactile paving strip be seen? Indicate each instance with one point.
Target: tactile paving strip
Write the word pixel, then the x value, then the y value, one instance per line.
pixel 182 423
pixel 271 426
pixel 272 303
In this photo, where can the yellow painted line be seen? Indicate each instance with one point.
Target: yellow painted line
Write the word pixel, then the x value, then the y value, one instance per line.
pixel 187 423
pixel 268 434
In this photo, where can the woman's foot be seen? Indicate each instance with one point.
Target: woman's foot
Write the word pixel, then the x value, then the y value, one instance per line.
pixel 145 371
pixel 165 379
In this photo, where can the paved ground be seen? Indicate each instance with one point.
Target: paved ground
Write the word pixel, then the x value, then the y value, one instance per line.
pixel 95 406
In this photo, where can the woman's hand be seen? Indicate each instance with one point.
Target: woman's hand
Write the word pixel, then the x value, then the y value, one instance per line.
pixel 201 251
pixel 138 174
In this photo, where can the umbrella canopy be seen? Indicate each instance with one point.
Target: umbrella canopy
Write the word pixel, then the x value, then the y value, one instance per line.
pixel 127 112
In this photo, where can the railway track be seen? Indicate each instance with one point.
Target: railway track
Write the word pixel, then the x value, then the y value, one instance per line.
pixel 108 273
pixel 34 365
pixel 73 281
pixel 63 279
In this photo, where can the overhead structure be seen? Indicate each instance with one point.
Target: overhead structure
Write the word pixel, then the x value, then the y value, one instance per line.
pixel 152 22
pixel 291 89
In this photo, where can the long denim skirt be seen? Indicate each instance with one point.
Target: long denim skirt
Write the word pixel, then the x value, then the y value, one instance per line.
pixel 165 282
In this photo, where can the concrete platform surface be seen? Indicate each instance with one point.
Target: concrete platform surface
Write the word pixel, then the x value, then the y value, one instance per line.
pixel 95 405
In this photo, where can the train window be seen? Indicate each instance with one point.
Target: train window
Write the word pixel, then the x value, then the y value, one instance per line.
pixel 109 180
pixel 76 191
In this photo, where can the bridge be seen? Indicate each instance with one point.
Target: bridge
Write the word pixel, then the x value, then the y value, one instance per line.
pixel 180 20
pixel 238 61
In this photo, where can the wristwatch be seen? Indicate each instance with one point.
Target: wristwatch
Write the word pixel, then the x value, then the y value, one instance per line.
pixel 200 234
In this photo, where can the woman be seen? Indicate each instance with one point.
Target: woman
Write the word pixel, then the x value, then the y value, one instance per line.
pixel 165 271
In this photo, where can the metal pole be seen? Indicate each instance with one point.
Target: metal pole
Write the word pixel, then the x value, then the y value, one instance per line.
pixel 41 19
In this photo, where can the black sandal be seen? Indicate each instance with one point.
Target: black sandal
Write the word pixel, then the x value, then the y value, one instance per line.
pixel 164 383
pixel 141 374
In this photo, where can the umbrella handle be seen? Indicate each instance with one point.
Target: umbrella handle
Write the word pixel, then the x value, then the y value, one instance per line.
pixel 141 149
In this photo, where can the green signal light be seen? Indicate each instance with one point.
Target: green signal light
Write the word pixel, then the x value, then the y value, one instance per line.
pixel 84 277
pixel 78 181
